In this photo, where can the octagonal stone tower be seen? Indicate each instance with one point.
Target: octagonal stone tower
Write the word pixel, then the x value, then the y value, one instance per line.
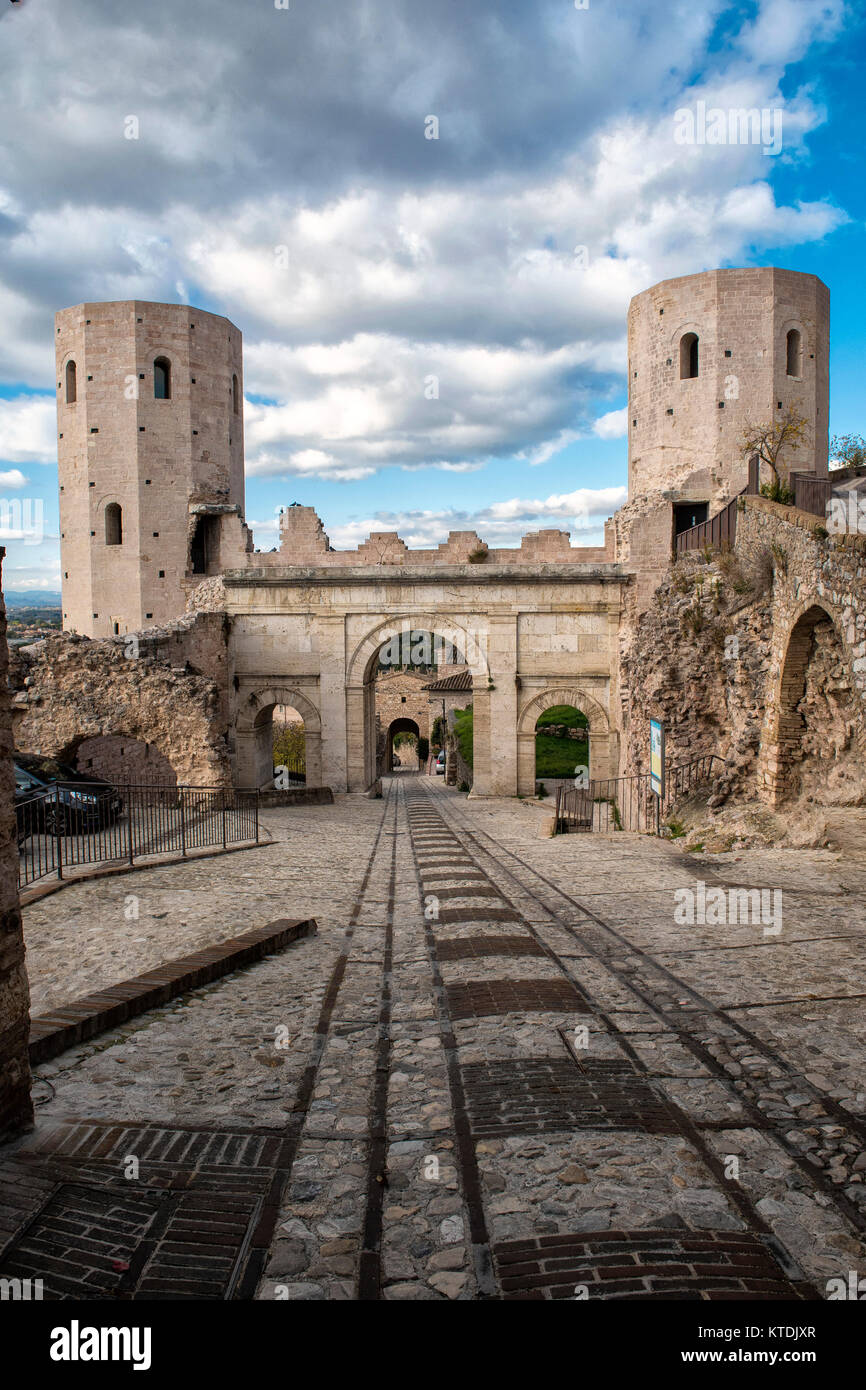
pixel 150 458
pixel 709 352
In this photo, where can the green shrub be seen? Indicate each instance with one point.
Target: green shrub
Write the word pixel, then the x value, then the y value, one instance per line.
pixel 777 491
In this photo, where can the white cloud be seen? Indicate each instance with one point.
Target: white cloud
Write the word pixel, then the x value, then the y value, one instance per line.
pixel 362 260
pixel 13 478
pixel 28 430
pixel 613 425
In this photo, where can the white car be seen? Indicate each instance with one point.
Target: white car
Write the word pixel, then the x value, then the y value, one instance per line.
pixel 440 763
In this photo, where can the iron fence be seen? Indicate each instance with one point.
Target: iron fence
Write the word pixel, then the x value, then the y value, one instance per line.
pixel 69 826
pixel 609 804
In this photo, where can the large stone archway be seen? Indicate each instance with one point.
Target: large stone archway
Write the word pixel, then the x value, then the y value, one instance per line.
pixel 810 745
pixel 531 624
pixel 472 643
pixel 601 751
pixel 254 734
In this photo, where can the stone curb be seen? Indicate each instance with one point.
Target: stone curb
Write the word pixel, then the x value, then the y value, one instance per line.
pixel 53 1033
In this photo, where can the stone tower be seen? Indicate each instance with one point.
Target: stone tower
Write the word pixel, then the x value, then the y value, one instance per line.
pixel 707 354
pixel 150 459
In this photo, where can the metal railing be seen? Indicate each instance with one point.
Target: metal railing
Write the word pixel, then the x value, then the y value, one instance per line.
pixel 720 530
pixel 70 826
pixel 609 804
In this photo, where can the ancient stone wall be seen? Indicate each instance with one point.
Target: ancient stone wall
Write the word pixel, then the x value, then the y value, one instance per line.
pixel 16 1110
pixel 759 655
pixel 303 542
pixel 401 695
pixel 71 690
pixel 119 759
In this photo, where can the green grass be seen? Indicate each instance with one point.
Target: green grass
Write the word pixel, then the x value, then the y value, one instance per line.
pixel 562 714
pixel 463 727
pixel 558 757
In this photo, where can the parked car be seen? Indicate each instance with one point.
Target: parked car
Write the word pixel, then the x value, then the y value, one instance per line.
pixel 64 802
pixel 440 763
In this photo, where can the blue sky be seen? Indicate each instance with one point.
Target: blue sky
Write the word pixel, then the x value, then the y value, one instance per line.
pixel 282 176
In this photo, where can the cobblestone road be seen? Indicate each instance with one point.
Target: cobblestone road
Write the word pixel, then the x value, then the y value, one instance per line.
pixel 502 1069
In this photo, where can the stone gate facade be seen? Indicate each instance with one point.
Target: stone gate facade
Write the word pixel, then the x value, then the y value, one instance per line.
pixel 540 624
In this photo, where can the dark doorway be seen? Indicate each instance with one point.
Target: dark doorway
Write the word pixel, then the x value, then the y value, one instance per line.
pixel 204 544
pixel 687 514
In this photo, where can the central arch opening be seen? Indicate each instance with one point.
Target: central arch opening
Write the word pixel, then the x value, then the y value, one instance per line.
pixel 402 749
pixel 411 717
pixel 561 747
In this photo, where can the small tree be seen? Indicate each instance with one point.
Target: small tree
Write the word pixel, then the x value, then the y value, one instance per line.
pixel 423 750
pixel 768 441
pixel 849 449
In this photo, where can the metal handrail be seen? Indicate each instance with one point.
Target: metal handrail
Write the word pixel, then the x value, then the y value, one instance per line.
pixel 629 803
pixel 103 823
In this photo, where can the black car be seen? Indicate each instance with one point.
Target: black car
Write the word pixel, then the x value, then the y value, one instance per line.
pixel 53 799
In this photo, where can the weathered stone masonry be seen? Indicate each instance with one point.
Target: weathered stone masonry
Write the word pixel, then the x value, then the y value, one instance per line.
pixel 759 655
pixel 73 690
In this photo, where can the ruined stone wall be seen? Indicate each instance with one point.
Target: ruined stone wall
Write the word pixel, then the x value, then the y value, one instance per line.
pixel 16 1110
pixel 303 542
pixel 119 759
pixel 758 655
pixel 71 689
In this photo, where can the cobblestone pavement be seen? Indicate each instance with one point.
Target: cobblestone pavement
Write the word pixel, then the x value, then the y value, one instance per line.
pixel 502 1069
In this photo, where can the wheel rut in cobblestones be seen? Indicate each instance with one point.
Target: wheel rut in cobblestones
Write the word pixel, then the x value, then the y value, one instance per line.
pixel 697 1027
pixel 201 1224
pixel 612 949
pixel 561 1094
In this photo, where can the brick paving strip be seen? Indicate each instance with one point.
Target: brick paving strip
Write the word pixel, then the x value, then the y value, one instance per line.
pixel 54 1032
pixel 690 1017
pixel 202 1222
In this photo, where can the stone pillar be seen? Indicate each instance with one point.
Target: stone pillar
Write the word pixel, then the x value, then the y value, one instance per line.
pixel 482 737
pixel 334 704
pixel 16 1107
pixel 502 655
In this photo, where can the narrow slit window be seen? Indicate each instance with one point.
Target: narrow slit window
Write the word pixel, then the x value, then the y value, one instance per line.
pixel 689 356
pixel 113 524
pixel 794 352
pixel 162 379
pixel 71 383
pixel 236 395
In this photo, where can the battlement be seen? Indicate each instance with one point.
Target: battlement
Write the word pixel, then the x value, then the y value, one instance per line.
pixel 304 543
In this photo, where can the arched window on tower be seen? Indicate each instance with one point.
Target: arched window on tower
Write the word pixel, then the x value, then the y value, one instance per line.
pixel 689 356
pixel 794 352
pixel 71 383
pixel 162 379
pixel 113 524
pixel 236 395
